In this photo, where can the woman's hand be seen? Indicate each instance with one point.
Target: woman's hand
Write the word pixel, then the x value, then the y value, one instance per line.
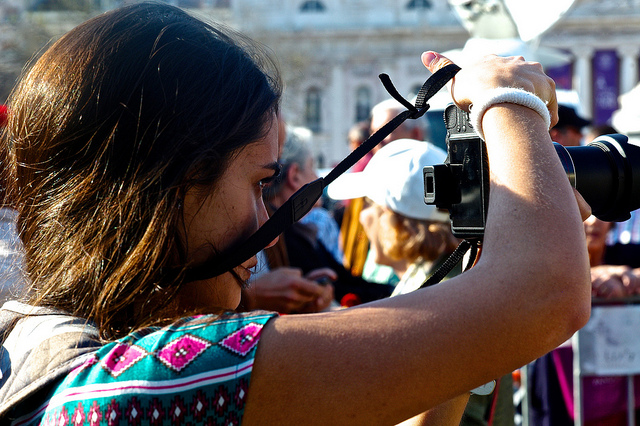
pixel 491 72
pixel 323 277
pixel 285 290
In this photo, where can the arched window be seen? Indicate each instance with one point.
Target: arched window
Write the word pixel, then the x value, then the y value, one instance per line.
pixel 312 6
pixel 363 103
pixel 312 110
pixel 419 4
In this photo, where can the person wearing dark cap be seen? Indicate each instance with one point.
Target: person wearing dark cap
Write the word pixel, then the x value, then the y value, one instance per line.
pixel 568 131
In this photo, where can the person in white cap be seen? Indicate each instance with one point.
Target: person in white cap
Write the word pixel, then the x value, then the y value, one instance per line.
pixel 353 239
pixel 404 232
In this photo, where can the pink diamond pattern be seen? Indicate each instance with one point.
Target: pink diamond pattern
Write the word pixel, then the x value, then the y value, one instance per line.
pixel 121 357
pixel 243 340
pixel 179 353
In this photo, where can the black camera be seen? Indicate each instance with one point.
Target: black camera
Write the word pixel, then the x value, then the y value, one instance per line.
pixel 606 173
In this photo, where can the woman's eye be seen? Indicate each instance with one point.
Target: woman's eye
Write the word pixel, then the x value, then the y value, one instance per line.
pixel 266 181
pixel 269 179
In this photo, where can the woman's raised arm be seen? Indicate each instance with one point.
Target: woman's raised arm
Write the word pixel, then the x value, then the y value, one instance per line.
pixel 384 362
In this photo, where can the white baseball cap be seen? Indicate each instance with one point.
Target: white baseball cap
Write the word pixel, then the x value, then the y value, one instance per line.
pixel 393 178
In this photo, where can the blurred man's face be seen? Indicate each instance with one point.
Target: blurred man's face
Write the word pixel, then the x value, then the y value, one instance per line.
pixel 382 118
pixel 567 136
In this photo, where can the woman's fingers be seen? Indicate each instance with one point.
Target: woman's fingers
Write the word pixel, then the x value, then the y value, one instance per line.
pixel 474 81
pixel 434 61
pixel 583 206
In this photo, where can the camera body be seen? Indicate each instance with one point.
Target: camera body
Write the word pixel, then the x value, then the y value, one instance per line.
pixel 606 173
pixel 461 184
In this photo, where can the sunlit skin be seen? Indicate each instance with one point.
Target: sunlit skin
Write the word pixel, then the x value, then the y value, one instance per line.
pixel 427 347
pixel 231 212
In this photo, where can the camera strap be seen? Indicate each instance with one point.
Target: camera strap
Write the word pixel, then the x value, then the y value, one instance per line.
pixel 454 258
pixel 303 200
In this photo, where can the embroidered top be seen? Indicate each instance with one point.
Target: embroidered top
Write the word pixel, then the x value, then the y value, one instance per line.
pixel 195 371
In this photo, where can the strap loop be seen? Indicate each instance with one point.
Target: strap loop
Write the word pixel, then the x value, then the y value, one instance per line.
pixel 386 82
pixel 453 259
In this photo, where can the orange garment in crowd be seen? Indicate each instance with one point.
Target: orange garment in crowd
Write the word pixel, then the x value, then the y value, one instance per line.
pixel 353 239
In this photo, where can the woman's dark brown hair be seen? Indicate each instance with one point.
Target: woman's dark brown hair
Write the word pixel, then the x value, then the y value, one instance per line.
pixel 107 131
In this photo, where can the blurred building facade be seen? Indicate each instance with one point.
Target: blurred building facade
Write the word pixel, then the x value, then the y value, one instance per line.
pixel 332 51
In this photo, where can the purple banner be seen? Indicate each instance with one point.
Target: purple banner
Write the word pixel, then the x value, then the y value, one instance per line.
pixel 606 85
pixel 562 75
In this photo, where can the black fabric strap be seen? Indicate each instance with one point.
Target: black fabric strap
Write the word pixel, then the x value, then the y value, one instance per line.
pixel 303 200
pixel 455 258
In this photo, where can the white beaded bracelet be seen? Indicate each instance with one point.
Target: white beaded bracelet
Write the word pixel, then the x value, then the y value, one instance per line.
pixel 508 95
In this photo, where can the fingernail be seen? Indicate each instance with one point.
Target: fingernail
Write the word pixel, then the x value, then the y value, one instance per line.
pixel 428 57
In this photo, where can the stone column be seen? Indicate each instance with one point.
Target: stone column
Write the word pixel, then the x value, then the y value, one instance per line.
pixel 628 67
pixel 583 78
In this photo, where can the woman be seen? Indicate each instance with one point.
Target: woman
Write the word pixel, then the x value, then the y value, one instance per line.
pixel 140 143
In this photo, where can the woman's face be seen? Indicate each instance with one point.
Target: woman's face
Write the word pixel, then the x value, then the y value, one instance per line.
pixel 231 212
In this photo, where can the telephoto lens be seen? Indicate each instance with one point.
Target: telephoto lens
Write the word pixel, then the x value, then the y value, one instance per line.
pixel 606 172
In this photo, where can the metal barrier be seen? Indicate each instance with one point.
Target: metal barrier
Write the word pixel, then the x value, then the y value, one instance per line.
pixel 609 345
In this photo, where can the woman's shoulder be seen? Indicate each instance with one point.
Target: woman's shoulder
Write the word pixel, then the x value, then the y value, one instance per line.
pixel 176 370
pixel 228 337
pixel 210 322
